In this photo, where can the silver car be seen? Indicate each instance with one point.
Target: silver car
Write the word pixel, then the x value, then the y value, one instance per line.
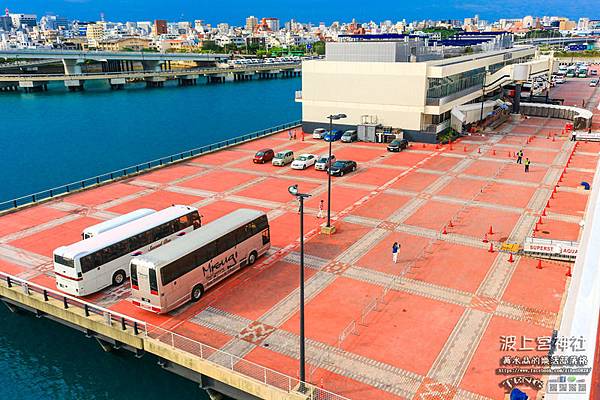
pixel 323 163
pixel 318 133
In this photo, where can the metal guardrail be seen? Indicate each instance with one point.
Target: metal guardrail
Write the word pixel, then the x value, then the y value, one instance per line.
pixel 89 309
pixel 136 169
pixel 205 352
pixel 240 365
pixel 148 73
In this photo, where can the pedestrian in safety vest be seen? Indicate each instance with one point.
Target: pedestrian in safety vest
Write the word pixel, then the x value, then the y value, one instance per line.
pixel 519 156
pixel 527 163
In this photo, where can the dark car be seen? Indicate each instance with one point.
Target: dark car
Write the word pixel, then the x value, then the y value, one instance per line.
pixel 263 156
pixel 398 145
pixel 332 136
pixel 339 168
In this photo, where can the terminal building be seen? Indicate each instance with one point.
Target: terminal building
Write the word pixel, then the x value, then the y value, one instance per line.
pixel 411 85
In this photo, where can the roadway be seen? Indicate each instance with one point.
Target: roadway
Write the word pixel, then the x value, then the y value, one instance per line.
pixel 134 75
pixel 108 55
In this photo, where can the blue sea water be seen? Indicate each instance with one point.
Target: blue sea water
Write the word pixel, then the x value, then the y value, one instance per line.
pixel 56 137
pixel 51 138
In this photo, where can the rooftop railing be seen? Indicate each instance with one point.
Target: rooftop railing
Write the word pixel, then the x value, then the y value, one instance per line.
pixel 136 169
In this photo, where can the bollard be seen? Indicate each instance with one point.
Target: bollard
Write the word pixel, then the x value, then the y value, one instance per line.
pixel 86 310
pixel 65 303
pixel 123 326
pixel 135 328
pixel 45 295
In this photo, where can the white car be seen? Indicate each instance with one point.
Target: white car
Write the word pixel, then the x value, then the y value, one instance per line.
pixel 560 79
pixel 304 161
pixel 318 133
pixel 594 82
pixel 322 163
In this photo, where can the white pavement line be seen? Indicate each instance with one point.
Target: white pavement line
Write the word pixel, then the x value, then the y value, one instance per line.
pixel 186 178
pixel 253 202
pixel 143 183
pixel 362 246
pixel 498 180
pixel 104 215
pixel 454 358
pixel 401 192
pixel 534 148
pixel 39 228
pixel 124 199
pixel 497 278
pixel 190 191
pixel 23 257
pixel 65 206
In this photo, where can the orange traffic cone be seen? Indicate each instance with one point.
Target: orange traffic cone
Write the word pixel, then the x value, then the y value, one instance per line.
pixel 491 231
pixel 568 272
pixel 537 228
pixel 553 138
pixel 511 259
pixel 509 155
pixel 465 149
pixel 444 232
pixel 485 238
pixel 451 147
pixel 479 150
pixel 544 212
pixel 423 145
pixel 548 204
pixel 450 224
pixel 491 249
pixel 540 221
pixel 539 264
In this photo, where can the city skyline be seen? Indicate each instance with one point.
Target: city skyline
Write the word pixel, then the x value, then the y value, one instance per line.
pixel 312 11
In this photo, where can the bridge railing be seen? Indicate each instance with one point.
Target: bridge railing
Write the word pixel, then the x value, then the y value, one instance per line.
pixel 240 365
pixel 136 169
pixel 111 318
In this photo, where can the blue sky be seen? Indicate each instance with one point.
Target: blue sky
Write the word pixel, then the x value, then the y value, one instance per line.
pixel 234 11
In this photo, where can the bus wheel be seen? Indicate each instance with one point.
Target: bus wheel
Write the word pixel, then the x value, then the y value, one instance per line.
pixel 252 258
pixel 118 277
pixel 197 292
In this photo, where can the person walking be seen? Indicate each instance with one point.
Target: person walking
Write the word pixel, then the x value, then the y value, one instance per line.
pixel 520 156
pixel 290 134
pixel 294 134
pixel 320 214
pixel 395 250
pixel 527 164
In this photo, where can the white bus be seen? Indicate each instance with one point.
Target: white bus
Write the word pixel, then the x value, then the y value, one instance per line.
pixel 92 264
pixel 97 229
pixel 178 272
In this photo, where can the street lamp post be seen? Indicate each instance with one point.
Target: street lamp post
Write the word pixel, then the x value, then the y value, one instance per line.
pixel 301 196
pixel 331 118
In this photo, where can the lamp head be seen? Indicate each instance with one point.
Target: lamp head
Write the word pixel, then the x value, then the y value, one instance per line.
pixel 293 190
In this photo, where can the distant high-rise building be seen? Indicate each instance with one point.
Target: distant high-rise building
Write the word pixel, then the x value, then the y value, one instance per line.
pixel 5 23
pixel 583 24
pixel 54 22
pixel 95 31
pixel 272 24
pixel 527 21
pixel 199 25
pixel 251 23
pixel 22 20
pixel 159 27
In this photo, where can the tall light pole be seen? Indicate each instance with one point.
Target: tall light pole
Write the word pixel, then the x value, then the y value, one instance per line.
pixel 331 118
pixel 301 196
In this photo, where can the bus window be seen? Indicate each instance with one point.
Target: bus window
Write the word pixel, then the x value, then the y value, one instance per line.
pixel 153 282
pixel 266 237
pixel 134 277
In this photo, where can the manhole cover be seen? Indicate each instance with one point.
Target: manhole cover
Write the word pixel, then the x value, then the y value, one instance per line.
pixel 545 232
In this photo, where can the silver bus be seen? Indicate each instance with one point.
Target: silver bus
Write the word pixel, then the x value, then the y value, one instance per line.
pixel 183 270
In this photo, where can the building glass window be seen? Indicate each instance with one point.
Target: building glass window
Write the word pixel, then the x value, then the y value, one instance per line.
pixel 442 87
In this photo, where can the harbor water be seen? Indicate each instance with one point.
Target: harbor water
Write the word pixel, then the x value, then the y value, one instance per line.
pixel 57 137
